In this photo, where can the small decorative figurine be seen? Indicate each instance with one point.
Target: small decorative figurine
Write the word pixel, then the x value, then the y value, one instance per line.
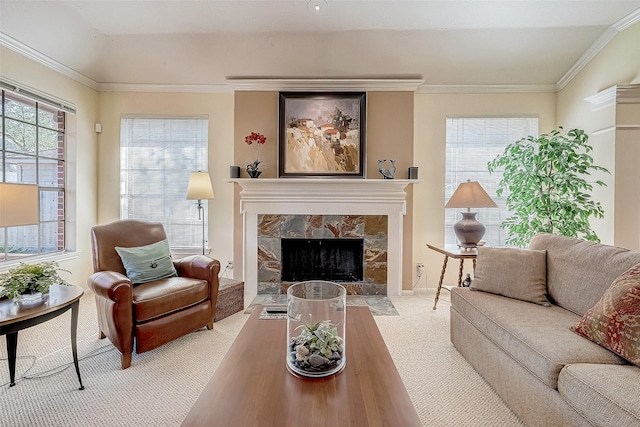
pixel 467 281
pixel 387 173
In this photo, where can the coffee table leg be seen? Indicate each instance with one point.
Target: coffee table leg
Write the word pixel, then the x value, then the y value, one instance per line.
pixel 74 347
pixel 460 272
pixel 444 268
pixel 12 345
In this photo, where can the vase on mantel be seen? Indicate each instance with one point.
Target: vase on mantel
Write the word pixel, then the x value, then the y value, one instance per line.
pixel 254 174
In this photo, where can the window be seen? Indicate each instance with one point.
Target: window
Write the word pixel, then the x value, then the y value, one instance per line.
pixel 156 158
pixel 32 151
pixel 471 143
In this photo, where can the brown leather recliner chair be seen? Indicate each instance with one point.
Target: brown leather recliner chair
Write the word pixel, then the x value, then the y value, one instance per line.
pixel 155 312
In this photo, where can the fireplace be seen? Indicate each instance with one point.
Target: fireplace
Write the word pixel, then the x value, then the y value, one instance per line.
pixel 350 249
pixel 274 208
pixel 336 260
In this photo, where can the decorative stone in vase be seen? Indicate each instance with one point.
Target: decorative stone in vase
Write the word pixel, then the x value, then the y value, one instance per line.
pixel 316 322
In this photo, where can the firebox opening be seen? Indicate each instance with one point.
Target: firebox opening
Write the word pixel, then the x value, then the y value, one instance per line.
pixel 339 260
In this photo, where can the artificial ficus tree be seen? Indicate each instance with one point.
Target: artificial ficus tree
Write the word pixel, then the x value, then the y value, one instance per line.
pixel 548 190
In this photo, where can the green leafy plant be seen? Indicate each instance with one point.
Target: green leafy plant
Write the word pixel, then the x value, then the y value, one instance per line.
pixel 318 348
pixel 320 338
pixel 547 187
pixel 26 278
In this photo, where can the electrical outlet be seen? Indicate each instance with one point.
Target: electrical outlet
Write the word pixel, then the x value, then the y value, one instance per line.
pixel 420 269
pixel 230 265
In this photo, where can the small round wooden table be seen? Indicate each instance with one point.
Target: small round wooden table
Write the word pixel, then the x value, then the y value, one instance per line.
pixel 14 318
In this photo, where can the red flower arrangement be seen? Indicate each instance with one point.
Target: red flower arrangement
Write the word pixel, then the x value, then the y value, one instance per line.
pixel 255 137
pixel 259 139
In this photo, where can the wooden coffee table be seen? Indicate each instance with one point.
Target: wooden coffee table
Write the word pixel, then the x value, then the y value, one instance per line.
pixel 252 386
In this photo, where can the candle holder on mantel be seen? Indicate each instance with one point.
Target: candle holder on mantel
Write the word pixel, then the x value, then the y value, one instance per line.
pixel 316 321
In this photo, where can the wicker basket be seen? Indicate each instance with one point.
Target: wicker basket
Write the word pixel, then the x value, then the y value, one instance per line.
pixel 230 298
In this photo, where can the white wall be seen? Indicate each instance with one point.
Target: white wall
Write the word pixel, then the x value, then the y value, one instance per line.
pixel 617 64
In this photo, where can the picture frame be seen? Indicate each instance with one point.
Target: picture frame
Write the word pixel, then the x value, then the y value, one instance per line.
pixel 322 134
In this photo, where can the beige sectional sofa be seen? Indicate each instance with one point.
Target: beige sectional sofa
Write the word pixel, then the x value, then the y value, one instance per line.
pixel 547 374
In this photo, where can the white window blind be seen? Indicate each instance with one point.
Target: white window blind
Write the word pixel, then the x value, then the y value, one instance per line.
pixel 156 157
pixel 471 143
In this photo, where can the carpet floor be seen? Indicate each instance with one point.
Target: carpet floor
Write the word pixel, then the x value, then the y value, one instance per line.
pixel 161 385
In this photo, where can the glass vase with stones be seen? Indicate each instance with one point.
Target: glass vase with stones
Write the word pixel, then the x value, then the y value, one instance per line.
pixel 316 320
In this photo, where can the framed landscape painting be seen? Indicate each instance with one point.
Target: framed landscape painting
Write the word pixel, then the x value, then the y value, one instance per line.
pixel 322 134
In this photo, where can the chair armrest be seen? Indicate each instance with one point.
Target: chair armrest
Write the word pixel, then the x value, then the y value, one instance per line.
pixel 198 267
pixel 203 268
pixel 114 300
pixel 111 285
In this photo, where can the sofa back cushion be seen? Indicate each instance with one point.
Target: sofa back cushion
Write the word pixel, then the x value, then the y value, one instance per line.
pixel 512 272
pixel 579 272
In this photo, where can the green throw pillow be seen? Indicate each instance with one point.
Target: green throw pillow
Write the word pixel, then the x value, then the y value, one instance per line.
pixel 147 263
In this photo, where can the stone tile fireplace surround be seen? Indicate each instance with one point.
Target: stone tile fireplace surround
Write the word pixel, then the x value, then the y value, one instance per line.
pixel 320 206
pixel 371 229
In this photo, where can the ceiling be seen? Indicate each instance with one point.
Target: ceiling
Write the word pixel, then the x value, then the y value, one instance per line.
pixel 204 43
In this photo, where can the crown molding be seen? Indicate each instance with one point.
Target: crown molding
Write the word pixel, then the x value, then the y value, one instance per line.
pixel 603 99
pixel 597 46
pixel 163 88
pixel 34 55
pixel 587 56
pixel 319 85
pixel 627 21
pixel 628 94
pixel 479 89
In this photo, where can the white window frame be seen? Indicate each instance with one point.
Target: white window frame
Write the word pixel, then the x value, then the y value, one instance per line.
pixel 30 239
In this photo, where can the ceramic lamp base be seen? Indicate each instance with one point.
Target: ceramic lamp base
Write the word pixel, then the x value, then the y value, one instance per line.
pixel 469 230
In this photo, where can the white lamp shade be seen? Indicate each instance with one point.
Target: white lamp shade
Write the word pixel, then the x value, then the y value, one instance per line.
pixel 199 186
pixel 470 194
pixel 18 204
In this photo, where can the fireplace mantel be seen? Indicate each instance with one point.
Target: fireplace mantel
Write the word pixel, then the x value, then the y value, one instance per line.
pixel 299 196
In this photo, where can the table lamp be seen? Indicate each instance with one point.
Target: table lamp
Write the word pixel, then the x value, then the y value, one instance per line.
pixel 469 195
pixel 200 189
pixel 18 204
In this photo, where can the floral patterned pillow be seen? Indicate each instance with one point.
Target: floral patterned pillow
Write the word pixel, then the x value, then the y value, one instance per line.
pixel 614 322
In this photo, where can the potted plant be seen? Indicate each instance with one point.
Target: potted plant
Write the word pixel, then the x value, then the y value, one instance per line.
pixel 259 139
pixel 318 348
pixel 547 187
pixel 30 279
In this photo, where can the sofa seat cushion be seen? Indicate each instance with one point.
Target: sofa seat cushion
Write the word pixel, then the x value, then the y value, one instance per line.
pixel 164 296
pixel 603 394
pixel 537 337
